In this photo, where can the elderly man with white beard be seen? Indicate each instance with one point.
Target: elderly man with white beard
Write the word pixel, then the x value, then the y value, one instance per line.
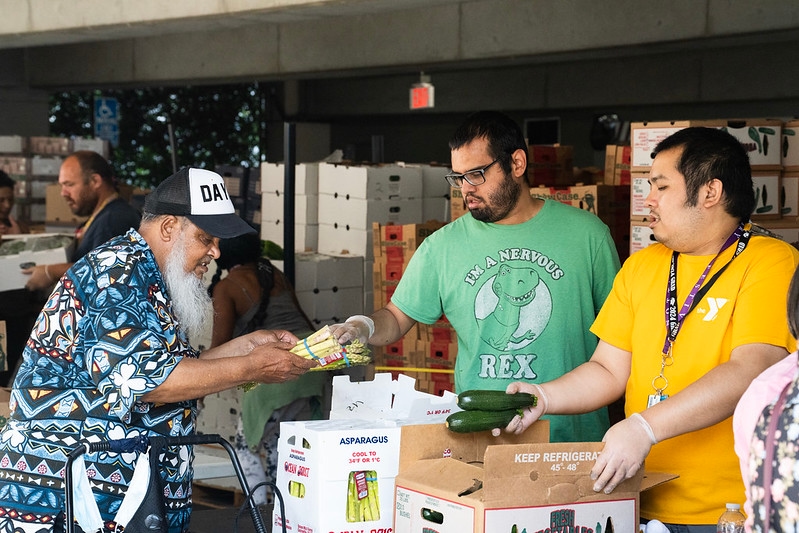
pixel 110 357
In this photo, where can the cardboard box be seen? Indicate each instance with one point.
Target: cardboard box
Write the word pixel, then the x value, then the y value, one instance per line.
pixel 360 213
pixel 789 194
pixel 767 194
pixel 457 206
pixel 434 184
pixel 789 148
pixel 402 353
pixel 605 201
pixel 101 146
pixel 321 459
pixel 761 137
pixel 337 239
pixel 315 271
pixel 373 182
pixel 550 165
pixel 330 306
pixel 641 236
pixel 57 210
pixel 306 236
pixel 306 207
pixel 436 208
pixel 639 190
pixel 437 354
pixel 617 164
pixel 644 137
pixel 41 249
pixel 306 178
pixel 12 144
pixel 499 487
pixel 397 242
pixel 16 167
pixel 45 165
pixel 50 145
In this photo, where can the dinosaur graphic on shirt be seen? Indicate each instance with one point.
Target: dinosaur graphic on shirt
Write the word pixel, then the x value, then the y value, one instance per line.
pixel 514 288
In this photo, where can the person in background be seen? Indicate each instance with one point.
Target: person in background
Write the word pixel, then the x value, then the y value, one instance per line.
pixel 19 307
pixel 519 278
pixel 8 224
pixel 110 357
pixel 690 322
pixel 256 295
pixel 766 424
pixel 89 186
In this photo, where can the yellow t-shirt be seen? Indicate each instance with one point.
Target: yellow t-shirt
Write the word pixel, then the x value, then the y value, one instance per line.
pixel 747 304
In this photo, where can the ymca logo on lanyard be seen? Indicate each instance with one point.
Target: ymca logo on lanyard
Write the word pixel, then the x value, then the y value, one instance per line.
pixel 675 317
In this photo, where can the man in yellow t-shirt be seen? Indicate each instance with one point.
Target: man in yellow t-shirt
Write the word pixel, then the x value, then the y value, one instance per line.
pixel 689 323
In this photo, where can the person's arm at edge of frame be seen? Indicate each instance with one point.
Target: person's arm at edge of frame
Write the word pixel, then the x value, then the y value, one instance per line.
pixel 260 356
pixel 44 276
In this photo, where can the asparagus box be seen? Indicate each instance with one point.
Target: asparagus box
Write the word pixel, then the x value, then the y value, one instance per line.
pixel 337 475
pixel 504 486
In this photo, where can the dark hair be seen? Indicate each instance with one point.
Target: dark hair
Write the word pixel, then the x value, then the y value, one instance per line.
pixel 6 181
pixel 793 305
pixel 93 163
pixel 504 136
pixel 241 250
pixel 708 154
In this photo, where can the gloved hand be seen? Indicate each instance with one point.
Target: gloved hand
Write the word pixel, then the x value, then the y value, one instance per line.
pixel 520 423
pixel 627 444
pixel 355 327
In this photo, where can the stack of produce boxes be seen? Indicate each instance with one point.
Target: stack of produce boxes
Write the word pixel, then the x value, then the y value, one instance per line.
pixel 426 352
pixel 762 138
pixel 306 202
pixel 787 226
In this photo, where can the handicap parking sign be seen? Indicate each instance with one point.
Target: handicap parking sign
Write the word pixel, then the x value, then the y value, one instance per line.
pixel 106 119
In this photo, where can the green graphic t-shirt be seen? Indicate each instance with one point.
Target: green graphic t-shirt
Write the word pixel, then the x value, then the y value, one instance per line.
pixel 520 297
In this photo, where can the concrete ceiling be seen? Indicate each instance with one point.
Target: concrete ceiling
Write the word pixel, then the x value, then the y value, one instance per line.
pixel 31 23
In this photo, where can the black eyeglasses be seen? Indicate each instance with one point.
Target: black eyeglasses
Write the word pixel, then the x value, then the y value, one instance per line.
pixel 473 177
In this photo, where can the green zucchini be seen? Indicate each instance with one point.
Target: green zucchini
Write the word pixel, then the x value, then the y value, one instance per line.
pixel 495 400
pixel 471 421
pixel 432 516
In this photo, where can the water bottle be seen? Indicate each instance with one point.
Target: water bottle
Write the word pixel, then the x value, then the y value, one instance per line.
pixel 731 520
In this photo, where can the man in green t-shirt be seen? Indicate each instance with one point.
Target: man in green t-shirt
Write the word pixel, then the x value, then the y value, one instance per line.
pixel 519 278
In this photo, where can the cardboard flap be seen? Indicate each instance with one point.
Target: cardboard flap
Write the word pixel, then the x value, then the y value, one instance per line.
pixel 653 479
pixel 448 475
pixel 434 441
pixel 554 472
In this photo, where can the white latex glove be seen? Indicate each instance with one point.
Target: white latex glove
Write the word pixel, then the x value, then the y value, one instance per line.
pixel 355 327
pixel 627 444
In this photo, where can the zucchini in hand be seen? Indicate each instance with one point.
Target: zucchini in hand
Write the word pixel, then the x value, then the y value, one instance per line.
pixel 495 400
pixel 471 421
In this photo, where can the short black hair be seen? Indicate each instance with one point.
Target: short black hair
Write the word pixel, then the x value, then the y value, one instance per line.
pixel 503 134
pixel 712 153
pixel 6 181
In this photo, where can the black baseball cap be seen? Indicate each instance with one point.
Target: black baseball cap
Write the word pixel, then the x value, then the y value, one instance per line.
pixel 199 195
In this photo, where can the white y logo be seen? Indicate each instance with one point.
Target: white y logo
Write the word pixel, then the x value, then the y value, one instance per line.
pixel 715 305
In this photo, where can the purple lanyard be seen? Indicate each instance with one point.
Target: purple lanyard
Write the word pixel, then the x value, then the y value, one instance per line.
pixel 674 319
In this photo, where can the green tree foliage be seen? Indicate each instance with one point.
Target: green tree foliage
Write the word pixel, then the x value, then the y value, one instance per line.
pixel 211 125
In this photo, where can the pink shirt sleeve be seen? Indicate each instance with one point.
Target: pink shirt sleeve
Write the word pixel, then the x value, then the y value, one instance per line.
pixel 763 391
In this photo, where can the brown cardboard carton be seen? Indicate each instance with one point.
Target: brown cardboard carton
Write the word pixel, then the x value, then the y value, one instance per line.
pixel 550 164
pixel 767 194
pixel 504 487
